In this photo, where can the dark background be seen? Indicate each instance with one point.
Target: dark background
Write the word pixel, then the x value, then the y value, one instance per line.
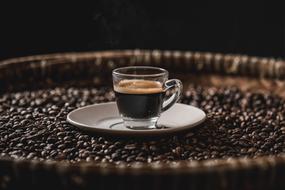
pixel 254 27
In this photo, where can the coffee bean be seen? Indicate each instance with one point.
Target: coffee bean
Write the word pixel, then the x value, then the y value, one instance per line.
pixel 130 147
pixel 53 153
pixel 130 158
pixel 83 137
pixel 84 154
pixel 101 140
pixel 115 156
pixel 140 159
pixel 31 155
pixel 19 145
pixel 89 158
pixel 252 150
pixel 107 151
pixel 97 158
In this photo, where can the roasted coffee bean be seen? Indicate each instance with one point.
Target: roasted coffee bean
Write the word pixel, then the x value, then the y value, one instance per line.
pixel 115 156
pixel 140 159
pixel 130 147
pixel 130 158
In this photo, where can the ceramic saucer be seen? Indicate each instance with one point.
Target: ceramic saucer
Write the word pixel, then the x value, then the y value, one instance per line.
pixel 104 118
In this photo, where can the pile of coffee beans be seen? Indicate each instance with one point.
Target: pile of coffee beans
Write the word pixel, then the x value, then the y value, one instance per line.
pixel 239 124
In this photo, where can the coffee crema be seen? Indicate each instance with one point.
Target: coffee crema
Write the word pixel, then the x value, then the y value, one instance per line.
pixel 138 87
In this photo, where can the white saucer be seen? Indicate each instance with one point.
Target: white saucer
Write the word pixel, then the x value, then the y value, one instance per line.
pixel 104 118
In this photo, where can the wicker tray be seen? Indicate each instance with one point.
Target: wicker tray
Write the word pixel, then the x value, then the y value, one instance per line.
pixel 261 74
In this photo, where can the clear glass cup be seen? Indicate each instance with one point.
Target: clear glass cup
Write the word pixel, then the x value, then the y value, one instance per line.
pixel 140 94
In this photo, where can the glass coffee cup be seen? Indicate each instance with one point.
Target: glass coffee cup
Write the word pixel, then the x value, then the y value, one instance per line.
pixel 140 94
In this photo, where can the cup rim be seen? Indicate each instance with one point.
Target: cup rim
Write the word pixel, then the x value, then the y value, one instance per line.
pixel 163 72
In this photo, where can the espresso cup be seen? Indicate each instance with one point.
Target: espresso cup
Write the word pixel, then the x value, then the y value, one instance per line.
pixel 140 94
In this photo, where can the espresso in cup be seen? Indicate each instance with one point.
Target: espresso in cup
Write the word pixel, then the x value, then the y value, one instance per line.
pixel 140 95
pixel 139 98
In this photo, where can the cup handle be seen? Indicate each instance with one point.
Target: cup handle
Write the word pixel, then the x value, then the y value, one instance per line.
pixel 170 84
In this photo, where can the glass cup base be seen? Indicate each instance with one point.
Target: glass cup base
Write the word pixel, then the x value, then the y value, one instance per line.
pixel 140 124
